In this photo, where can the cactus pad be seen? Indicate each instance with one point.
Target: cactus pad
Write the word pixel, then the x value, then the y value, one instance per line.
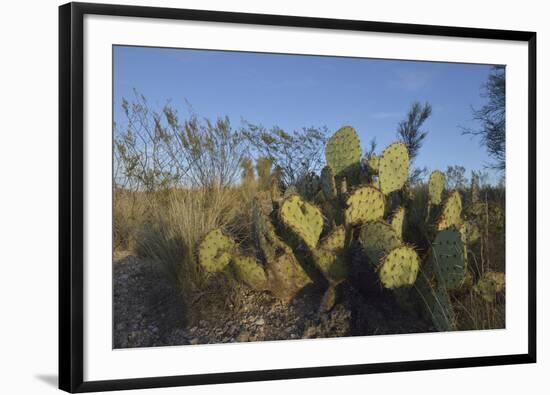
pixel 393 168
pixel 215 251
pixel 448 256
pixel 377 239
pixel 343 150
pixel 335 240
pixel 469 232
pixel 249 271
pixel 490 284
pixel 364 204
pixel 436 186
pixel 330 264
pixel 398 220
pixel 303 218
pixel 328 185
pixel 399 268
pixel 373 164
pixel 286 277
pixel 451 212
pixel 441 309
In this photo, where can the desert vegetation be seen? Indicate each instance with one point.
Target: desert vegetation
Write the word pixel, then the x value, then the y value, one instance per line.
pixel 363 237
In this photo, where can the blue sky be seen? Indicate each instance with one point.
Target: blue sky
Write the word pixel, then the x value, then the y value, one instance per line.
pixel 293 91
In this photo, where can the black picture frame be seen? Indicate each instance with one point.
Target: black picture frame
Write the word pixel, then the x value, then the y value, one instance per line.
pixel 71 204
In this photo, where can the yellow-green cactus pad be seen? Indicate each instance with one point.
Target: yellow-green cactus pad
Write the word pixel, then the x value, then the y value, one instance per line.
pixel 286 277
pixel 364 204
pixel 335 240
pixel 436 186
pixel 303 218
pixel 399 268
pixel 343 150
pixel 397 221
pixel 250 271
pixel 328 185
pixel 393 168
pixel 490 284
pixel 373 164
pixel 452 210
pixel 331 264
pixel 377 239
pixel 469 232
pixel 215 251
pixel 448 255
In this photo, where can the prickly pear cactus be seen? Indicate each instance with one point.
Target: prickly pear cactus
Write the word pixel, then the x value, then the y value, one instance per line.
pixel 215 251
pixel 436 186
pixel 448 258
pixel 335 240
pixel 364 204
pixel 328 256
pixel 303 218
pixel 393 168
pixel 398 220
pixel 452 210
pixel 250 271
pixel 343 151
pixel 399 267
pixel 441 309
pixel 285 276
pixel 373 164
pixel 469 232
pixel 377 239
pixel 490 284
pixel 328 185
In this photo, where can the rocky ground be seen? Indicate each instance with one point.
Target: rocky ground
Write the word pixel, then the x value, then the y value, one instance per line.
pixel 149 311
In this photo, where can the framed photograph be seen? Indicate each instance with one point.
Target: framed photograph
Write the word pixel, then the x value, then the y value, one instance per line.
pixel 251 197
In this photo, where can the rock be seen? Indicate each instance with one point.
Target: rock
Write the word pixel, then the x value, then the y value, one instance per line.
pixel 260 322
pixel 194 341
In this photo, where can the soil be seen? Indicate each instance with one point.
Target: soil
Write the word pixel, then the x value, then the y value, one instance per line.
pixel 149 311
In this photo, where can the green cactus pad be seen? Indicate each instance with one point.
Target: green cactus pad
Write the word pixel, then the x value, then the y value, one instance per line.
pixel 452 210
pixel 490 284
pixel 398 220
pixel 286 277
pixel 249 271
pixel 441 309
pixel 215 251
pixel 303 218
pixel 328 185
pixel 343 150
pixel 377 239
pixel 393 168
pixel 436 186
pixel 335 240
pixel 448 256
pixel 364 204
pixel 399 268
